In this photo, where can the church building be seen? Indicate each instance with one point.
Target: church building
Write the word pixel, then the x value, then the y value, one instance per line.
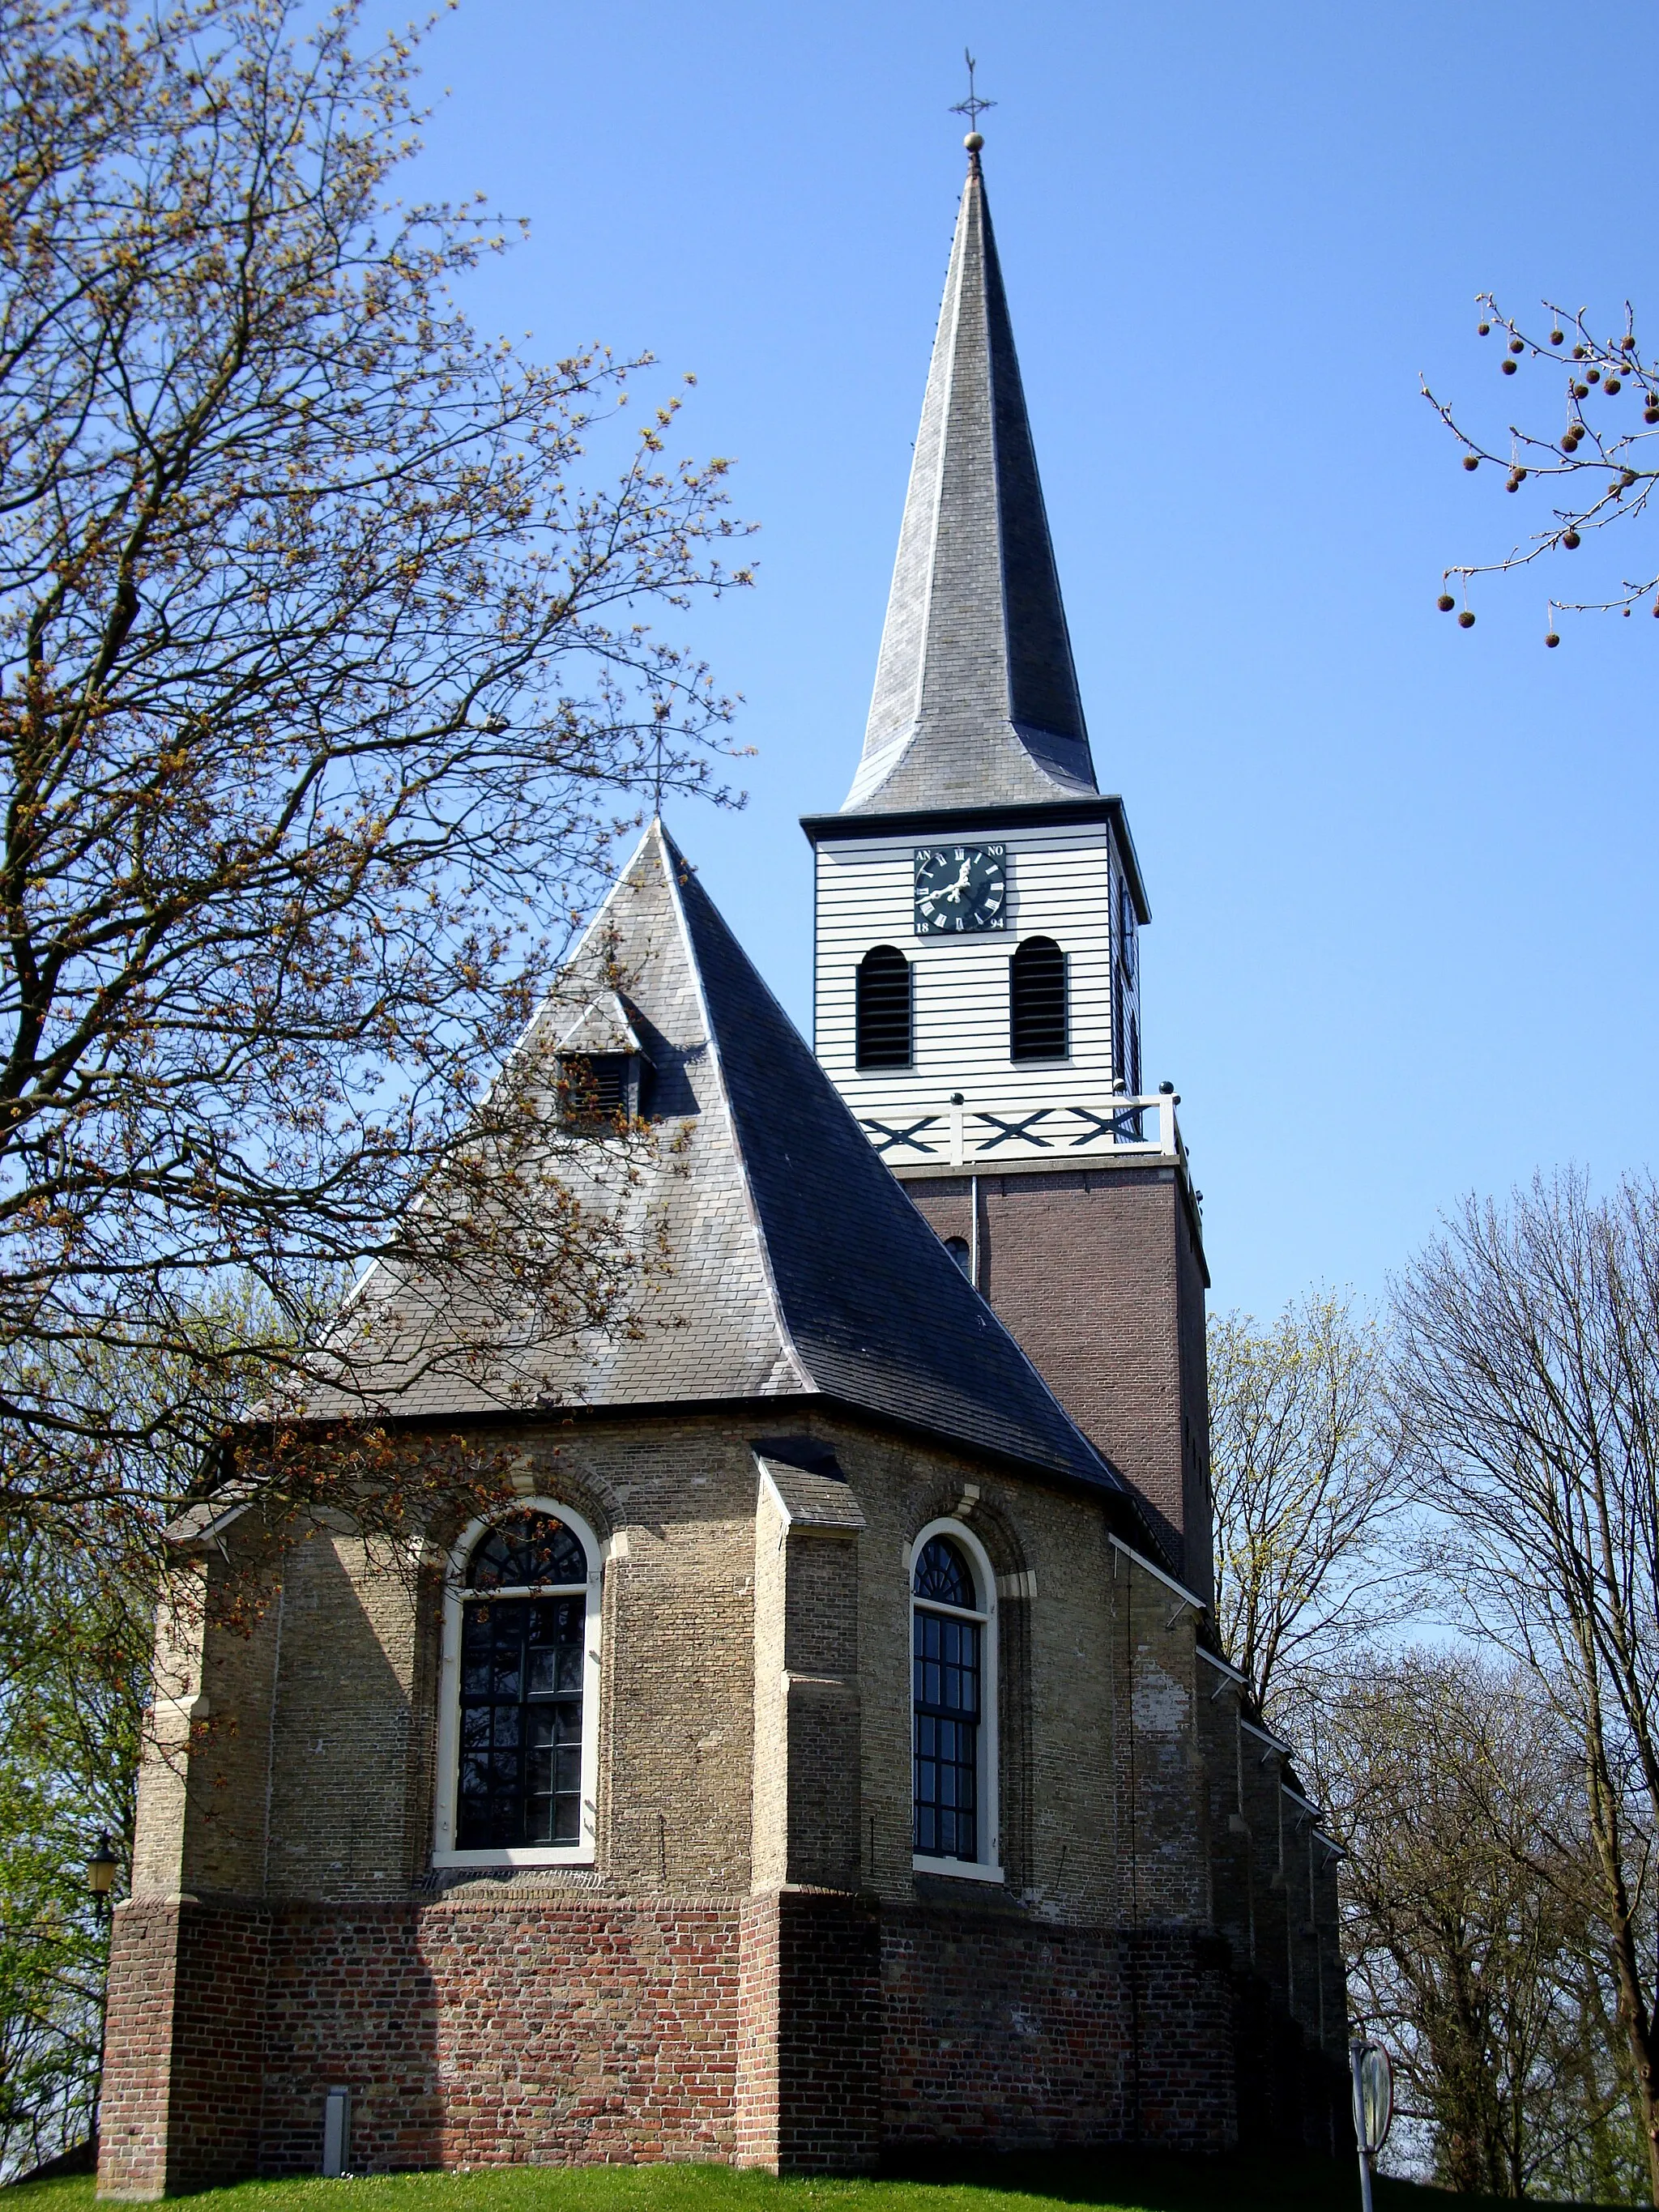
pixel 822 1755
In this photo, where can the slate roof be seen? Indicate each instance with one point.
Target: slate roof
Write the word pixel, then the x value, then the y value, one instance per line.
pixel 795 1264
pixel 976 699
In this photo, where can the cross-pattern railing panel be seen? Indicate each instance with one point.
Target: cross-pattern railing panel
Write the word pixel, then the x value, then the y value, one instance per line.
pixel 964 1136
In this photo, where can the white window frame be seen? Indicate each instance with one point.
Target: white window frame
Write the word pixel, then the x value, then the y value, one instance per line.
pixel 988 1866
pixel 582 1852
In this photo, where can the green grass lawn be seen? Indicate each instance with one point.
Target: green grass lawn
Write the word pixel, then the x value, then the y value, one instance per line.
pixel 1112 2182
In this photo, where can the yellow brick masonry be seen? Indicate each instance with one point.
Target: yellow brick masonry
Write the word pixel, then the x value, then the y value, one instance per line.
pixel 752 1900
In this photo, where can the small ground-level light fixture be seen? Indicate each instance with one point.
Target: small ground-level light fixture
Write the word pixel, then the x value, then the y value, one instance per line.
pixel 102 1869
pixel 1373 2108
pixel 337 2134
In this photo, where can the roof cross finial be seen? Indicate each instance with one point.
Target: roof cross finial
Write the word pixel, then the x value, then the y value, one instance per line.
pixel 973 107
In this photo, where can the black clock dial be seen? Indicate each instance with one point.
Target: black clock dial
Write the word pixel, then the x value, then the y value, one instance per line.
pixel 960 887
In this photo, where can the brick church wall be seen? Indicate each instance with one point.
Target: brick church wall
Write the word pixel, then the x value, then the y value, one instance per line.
pixel 1074 1261
pixel 810 2086
pixel 1013 2036
pixel 519 2030
pixel 675 2001
pixel 516 2030
pixel 800 2032
pixel 185 2051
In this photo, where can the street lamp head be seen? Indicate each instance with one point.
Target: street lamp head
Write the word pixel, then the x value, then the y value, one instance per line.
pixel 102 1869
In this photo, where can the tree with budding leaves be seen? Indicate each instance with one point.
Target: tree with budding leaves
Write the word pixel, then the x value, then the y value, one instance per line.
pixel 1599 463
pixel 325 679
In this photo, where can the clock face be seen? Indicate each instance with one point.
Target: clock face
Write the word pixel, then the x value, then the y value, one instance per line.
pixel 960 887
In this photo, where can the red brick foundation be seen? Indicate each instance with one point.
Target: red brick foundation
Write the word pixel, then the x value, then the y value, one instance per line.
pixel 809 2088
pixel 184 2049
pixel 1016 2036
pixel 808 2031
pixel 530 2033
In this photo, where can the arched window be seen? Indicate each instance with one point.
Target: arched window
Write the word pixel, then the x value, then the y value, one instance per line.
pixel 961 1252
pixel 884 1038
pixel 1036 1001
pixel 519 1730
pixel 953 1704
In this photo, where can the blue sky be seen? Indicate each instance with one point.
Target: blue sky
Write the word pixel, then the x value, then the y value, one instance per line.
pixel 1403 900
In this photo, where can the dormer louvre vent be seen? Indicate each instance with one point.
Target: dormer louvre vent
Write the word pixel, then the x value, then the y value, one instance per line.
pixel 595 1087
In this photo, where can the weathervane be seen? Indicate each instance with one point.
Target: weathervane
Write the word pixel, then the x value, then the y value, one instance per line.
pixel 973 107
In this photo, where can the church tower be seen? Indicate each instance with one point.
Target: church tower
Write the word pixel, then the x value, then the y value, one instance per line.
pixel 978 906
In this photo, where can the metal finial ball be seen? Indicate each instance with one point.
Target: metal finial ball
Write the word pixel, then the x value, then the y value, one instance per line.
pixel 973 141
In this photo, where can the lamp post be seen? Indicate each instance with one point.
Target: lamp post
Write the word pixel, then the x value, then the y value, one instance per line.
pixel 102 1866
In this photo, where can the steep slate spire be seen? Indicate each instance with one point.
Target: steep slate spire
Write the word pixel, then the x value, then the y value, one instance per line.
pixel 976 699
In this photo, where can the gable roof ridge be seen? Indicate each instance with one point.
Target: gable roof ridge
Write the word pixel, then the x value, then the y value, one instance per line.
pixel 515 1053
pixel 549 997
pixel 674 860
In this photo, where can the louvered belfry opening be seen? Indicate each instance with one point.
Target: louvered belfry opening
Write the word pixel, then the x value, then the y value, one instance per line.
pixel 592 1087
pixel 1036 1001
pixel 883 1009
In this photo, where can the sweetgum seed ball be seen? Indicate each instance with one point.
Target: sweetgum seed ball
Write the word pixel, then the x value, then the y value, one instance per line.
pixel 1650 413
pixel 1470 461
pixel 1516 346
pixel 1611 385
pixel 1557 337
pixel 1446 602
pixel 1578 353
pixel 1484 329
pixel 1466 620
pixel 1550 637
pixel 1571 541
pixel 1509 367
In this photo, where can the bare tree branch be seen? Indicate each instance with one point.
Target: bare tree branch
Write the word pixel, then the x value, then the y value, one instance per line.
pixel 1528 1389
pixel 1599 465
pixel 1306 1475
pixel 324 683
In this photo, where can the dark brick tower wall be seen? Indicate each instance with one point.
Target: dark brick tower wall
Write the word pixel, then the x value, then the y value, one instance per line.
pixel 1100 1275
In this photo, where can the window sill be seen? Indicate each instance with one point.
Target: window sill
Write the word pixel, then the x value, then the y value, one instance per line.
pixel 530 1856
pixel 959 1869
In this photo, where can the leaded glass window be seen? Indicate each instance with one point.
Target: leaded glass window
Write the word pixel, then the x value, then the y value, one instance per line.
pixel 522 1659
pixel 529 1551
pixel 947 1633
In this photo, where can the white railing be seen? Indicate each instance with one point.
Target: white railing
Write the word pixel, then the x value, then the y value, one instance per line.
pixel 963 1136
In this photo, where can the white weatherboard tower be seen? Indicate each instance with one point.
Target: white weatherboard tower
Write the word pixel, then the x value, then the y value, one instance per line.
pixel 975 824
pixel 977 988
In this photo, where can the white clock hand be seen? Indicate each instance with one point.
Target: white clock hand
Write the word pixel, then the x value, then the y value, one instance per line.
pixel 960 884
